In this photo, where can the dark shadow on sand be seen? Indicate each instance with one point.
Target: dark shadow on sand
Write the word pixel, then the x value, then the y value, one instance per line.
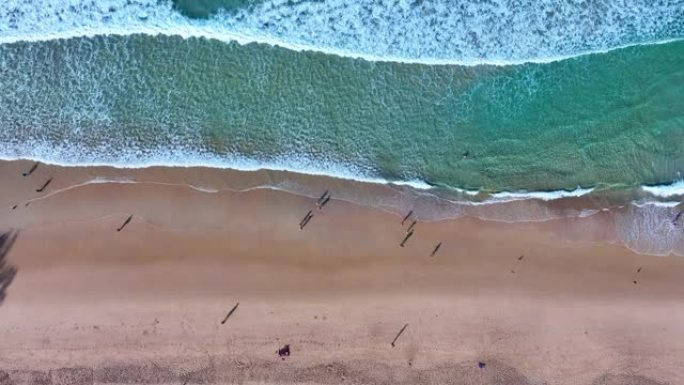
pixel 7 271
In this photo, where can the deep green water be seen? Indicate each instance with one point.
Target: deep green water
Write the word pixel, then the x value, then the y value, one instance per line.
pixel 607 118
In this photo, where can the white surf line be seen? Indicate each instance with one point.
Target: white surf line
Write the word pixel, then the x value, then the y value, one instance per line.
pixel 670 204
pixel 663 191
pixel 170 228
pixel 193 31
pixel 582 214
pixel 342 172
pixel 419 186
pixel 520 196
pixel 666 190
pixel 506 196
pixel 515 196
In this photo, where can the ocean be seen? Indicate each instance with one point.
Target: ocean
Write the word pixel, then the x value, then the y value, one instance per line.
pixel 480 101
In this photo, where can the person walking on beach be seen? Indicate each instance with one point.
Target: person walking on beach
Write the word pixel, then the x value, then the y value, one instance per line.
pixel 325 202
pixel 406 217
pixel 44 186
pixel 436 249
pixel 125 223
pixel 409 235
pixel 306 220
pixel 321 198
pixel 33 168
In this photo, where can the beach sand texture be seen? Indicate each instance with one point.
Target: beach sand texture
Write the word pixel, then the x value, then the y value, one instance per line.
pixel 90 305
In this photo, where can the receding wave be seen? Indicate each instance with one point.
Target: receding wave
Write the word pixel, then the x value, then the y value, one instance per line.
pixel 430 32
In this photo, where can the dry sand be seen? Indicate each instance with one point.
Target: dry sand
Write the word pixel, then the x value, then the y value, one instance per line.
pixel 144 305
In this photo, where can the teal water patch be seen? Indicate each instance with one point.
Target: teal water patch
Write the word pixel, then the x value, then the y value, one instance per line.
pixel 613 118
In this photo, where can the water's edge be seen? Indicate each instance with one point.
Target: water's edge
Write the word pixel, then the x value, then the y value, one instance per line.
pixel 645 219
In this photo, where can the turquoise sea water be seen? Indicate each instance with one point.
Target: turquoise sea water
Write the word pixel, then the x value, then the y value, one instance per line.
pixel 609 118
pixel 488 95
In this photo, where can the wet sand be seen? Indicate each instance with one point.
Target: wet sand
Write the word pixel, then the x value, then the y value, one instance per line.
pixel 144 305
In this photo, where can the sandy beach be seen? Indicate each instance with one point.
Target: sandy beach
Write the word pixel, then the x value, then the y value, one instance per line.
pixel 499 303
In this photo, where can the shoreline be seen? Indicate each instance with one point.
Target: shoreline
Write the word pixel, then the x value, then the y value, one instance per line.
pixel 671 189
pixel 145 303
pixel 631 218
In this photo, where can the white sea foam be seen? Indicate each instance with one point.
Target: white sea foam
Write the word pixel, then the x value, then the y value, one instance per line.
pixel 471 193
pixel 67 156
pixel 651 229
pixel 666 191
pixel 541 195
pixel 646 204
pixel 294 163
pixel 78 155
pixel 496 32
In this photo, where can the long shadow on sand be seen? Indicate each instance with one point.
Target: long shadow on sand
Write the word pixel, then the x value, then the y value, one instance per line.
pixel 7 271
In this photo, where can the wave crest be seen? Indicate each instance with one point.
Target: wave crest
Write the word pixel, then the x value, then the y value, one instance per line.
pixel 432 32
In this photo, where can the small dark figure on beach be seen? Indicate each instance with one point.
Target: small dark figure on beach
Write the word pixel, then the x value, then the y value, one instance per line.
pixel 434 251
pixel 44 186
pixel 398 334
pixel 14 207
pixel 481 365
pixel 637 273
pixel 284 352
pixel 325 202
pixel 520 258
pixel 230 313
pixel 321 198
pixel 33 168
pixel 305 221
pixel 305 217
pixel 407 217
pixel 125 223
pixel 406 238
pixel 411 227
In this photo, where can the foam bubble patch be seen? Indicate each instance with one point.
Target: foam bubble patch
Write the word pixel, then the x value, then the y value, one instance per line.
pixel 434 32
